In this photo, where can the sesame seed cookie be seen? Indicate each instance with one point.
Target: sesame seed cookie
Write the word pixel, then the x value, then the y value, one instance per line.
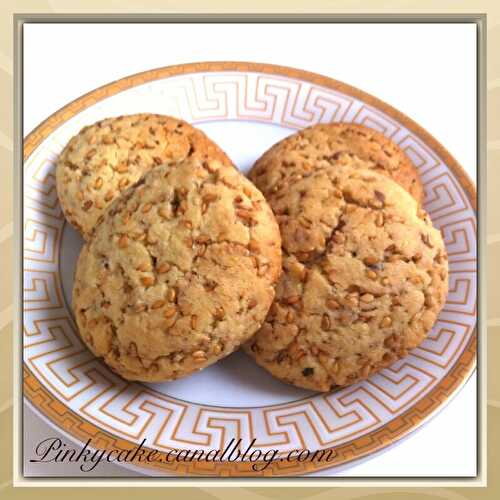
pixel 179 273
pixel 334 144
pixel 105 158
pixel 365 275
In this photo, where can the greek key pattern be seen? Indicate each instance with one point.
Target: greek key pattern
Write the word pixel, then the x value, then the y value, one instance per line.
pixel 82 396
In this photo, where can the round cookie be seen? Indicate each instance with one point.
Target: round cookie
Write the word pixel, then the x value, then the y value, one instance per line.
pixel 105 158
pixel 365 275
pixel 334 144
pixel 179 273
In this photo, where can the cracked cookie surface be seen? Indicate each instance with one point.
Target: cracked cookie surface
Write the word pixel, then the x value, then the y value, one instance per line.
pixel 179 273
pixel 334 144
pixel 365 275
pixel 106 158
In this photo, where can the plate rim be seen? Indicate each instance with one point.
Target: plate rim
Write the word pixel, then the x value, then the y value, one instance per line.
pixel 373 441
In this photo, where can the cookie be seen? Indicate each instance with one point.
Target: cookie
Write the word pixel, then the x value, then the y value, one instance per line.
pixel 179 273
pixel 106 158
pixel 365 275
pixel 334 144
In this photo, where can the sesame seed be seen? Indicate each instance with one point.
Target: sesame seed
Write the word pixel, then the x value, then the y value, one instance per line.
pixel 90 154
pixel 123 241
pixel 199 356
pixel 163 268
pixel 203 238
pixel 163 212
pixel 171 295
pixel 147 281
pixel 121 168
pixel 325 322
pixel 386 322
pixel 219 313
pixel 370 260
pixel 169 312
pixel 253 246
pixel 367 297
pixel 332 304
pixel 208 198
pixel 194 321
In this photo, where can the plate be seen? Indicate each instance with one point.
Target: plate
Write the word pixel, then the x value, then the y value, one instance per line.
pixel 245 107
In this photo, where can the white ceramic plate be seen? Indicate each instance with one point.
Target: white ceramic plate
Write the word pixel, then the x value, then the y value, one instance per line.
pixel 246 108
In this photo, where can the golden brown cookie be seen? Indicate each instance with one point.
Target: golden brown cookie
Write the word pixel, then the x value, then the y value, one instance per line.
pixel 105 158
pixel 334 144
pixel 365 275
pixel 179 273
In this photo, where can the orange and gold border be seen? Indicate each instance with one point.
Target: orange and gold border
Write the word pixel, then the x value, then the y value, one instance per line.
pixel 397 428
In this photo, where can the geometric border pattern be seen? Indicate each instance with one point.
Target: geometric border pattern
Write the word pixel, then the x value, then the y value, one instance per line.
pixel 80 395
